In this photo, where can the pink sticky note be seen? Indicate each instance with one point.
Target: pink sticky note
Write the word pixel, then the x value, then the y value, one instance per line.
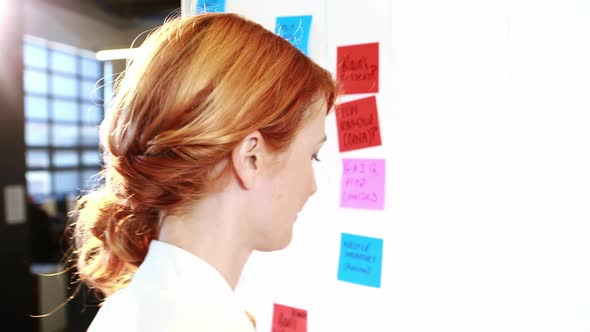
pixel 363 184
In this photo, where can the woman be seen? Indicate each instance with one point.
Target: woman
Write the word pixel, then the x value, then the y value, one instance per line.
pixel 208 156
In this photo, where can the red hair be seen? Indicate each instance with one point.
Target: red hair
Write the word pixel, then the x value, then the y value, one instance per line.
pixel 197 87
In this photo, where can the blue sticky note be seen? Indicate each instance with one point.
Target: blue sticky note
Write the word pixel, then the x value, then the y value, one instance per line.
pixel 295 29
pixel 210 6
pixel 360 260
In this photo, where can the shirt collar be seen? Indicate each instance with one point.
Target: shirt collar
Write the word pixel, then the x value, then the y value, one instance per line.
pixel 172 268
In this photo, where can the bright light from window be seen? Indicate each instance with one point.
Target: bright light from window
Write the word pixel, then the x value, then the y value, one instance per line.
pixel 124 53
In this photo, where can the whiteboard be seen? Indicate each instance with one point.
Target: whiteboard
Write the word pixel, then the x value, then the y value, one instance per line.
pixel 484 115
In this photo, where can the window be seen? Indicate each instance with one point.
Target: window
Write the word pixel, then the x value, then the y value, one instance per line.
pixel 64 104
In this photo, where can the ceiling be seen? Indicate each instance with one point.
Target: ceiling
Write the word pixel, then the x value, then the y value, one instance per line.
pixel 138 9
pixel 123 10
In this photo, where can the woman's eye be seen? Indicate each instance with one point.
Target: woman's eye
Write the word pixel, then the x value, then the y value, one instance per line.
pixel 315 157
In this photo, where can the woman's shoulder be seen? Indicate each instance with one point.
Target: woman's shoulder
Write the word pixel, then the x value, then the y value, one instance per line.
pixel 117 313
pixel 147 309
pixel 138 308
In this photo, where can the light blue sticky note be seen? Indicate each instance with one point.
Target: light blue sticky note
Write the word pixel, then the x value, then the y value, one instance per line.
pixel 210 6
pixel 360 260
pixel 295 29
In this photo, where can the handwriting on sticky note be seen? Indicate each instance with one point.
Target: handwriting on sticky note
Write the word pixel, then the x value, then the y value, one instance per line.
pixel 210 6
pixel 360 260
pixel 295 29
pixel 358 124
pixel 358 68
pixel 363 184
pixel 288 319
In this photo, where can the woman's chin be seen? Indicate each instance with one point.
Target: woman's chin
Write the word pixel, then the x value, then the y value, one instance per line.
pixel 279 242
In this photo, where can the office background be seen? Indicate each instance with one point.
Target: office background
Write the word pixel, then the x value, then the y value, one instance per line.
pixel 483 111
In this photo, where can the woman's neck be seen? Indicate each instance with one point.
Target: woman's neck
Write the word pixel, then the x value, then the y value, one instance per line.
pixel 215 239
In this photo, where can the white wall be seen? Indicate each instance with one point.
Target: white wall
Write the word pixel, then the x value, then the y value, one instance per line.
pixel 484 111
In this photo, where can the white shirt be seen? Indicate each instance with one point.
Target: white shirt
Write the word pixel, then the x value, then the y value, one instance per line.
pixel 173 290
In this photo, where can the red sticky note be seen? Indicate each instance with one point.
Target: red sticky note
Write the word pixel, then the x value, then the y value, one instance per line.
pixel 358 68
pixel 358 124
pixel 289 319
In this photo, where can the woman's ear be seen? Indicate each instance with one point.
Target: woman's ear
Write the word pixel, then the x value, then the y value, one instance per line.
pixel 246 159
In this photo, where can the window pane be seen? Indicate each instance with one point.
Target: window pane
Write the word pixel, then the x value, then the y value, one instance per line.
pixel 36 134
pixel 91 157
pixel 108 84
pixel 63 110
pixel 63 63
pixel 65 159
pixel 35 81
pixel 38 182
pixel 91 114
pixel 90 178
pixel 64 86
pixel 35 56
pixel 89 136
pixel 38 158
pixel 66 181
pixel 90 68
pixel 65 135
pixel 36 108
pixel 91 91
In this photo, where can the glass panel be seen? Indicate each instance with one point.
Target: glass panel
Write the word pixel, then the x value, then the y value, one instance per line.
pixel 90 68
pixel 63 110
pixel 36 108
pixel 108 84
pixel 35 81
pixel 63 62
pixel 90 178
pixel 89 136
pixel 65 158
pixel 64 86
pixel 91 114
pixel 38 182
pixel 66 181
pixel 38 158
pixel 92 91
pixel 36 134
pixel 35 56
pixel 65 135
pixel 91 157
